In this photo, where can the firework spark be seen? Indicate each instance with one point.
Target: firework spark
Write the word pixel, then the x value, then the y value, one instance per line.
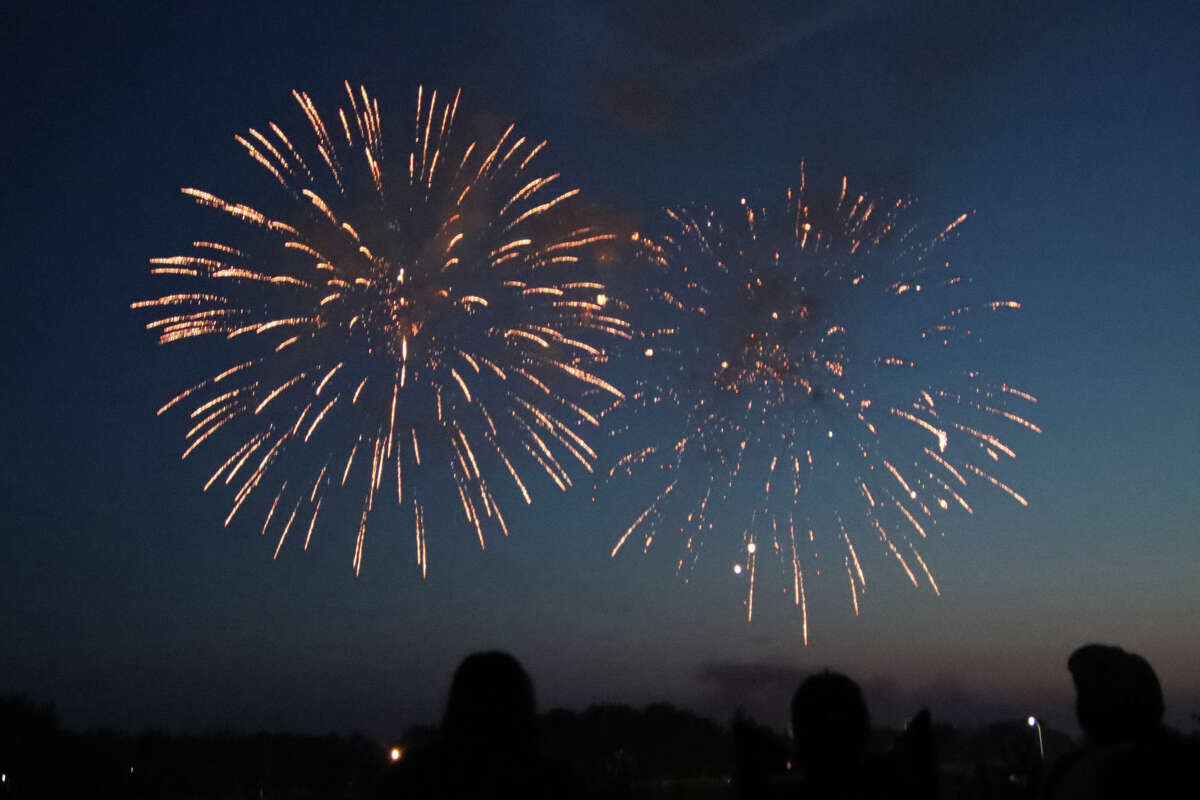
pixel 793 396
pixel 419 308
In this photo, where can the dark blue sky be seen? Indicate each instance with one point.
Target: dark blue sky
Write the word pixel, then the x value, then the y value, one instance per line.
pixel 1071 128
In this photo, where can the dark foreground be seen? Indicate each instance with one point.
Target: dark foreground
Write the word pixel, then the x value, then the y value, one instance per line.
pixel 493 744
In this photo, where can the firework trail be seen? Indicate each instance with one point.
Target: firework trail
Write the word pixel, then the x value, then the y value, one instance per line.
pixel 417 319
pixel 798 393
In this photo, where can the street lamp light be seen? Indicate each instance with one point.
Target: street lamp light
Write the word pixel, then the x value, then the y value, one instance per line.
pixel 1036 724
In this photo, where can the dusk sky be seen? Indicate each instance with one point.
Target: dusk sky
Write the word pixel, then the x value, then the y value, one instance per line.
pixel 1071 129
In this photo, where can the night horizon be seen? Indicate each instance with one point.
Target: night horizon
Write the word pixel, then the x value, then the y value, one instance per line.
pixel 1067 136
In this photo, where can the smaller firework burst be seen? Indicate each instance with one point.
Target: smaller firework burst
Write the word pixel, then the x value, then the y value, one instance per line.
pixel 801 400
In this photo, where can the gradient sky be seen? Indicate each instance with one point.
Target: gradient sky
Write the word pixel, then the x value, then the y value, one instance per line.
pixel 1072 129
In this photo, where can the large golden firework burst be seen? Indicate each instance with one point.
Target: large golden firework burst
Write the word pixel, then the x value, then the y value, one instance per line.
pixel 418 317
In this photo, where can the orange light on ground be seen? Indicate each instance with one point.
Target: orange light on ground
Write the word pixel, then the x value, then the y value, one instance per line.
pixel 396 754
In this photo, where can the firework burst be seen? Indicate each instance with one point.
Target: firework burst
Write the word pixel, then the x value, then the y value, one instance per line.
pixel 801 399
pixel 418 319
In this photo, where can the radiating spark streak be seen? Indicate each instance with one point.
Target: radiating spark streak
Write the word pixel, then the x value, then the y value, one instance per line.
pixel 265 142
pixel 853 586
pixel 186 261
pixel 911 519
pixel 377 469
pixel 193 317
pixel 213 415
pixel 1004 387
pixel 898 555
pixel 392 417
pixel 236 454
pixel 313 523
pixel 325 380
pixel 542 208
pixel 511 470
pixel 419 527
pixel 181 396
pixel 245 457
pixel 544 455
pixel 320 416
pixel 998 484
pixel 287 527
pixel 925 567
pixel 587 377
pixel 461 384
pixel 317 483
pixel 350 461
pixel 258 473
pixel 854 556
pixel 900 479
pixel 271 513
pixel 180 299
pixel 966 507
pixel 946 465
pixel 753 570
pixel 526 335
pixel 937 432
pixel 358 543
pixel 261 159
pixel 1011 417
pixel 279 390
pixel 200 439
pixel 960 220
pixel 641 517
pixel 986 437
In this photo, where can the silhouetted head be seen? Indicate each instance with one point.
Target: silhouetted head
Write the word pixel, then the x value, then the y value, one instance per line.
pixel 830 723
pixel 1118 696
pixel 491 699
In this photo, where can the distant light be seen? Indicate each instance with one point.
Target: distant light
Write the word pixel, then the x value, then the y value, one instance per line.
pixel 750 548
pixel 601 299
pixel 774 315
pixel 649 352
pixel 724 365
pixel 830 434
pixel 396 754
pixel 1032 722
pixel 635 236
pixel 737 569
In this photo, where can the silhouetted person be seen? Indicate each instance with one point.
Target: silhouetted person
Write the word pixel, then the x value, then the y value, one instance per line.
pixel 830 726
pixel 491 706
pixel 488 744
pixel 1127 750
pixel 914 766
